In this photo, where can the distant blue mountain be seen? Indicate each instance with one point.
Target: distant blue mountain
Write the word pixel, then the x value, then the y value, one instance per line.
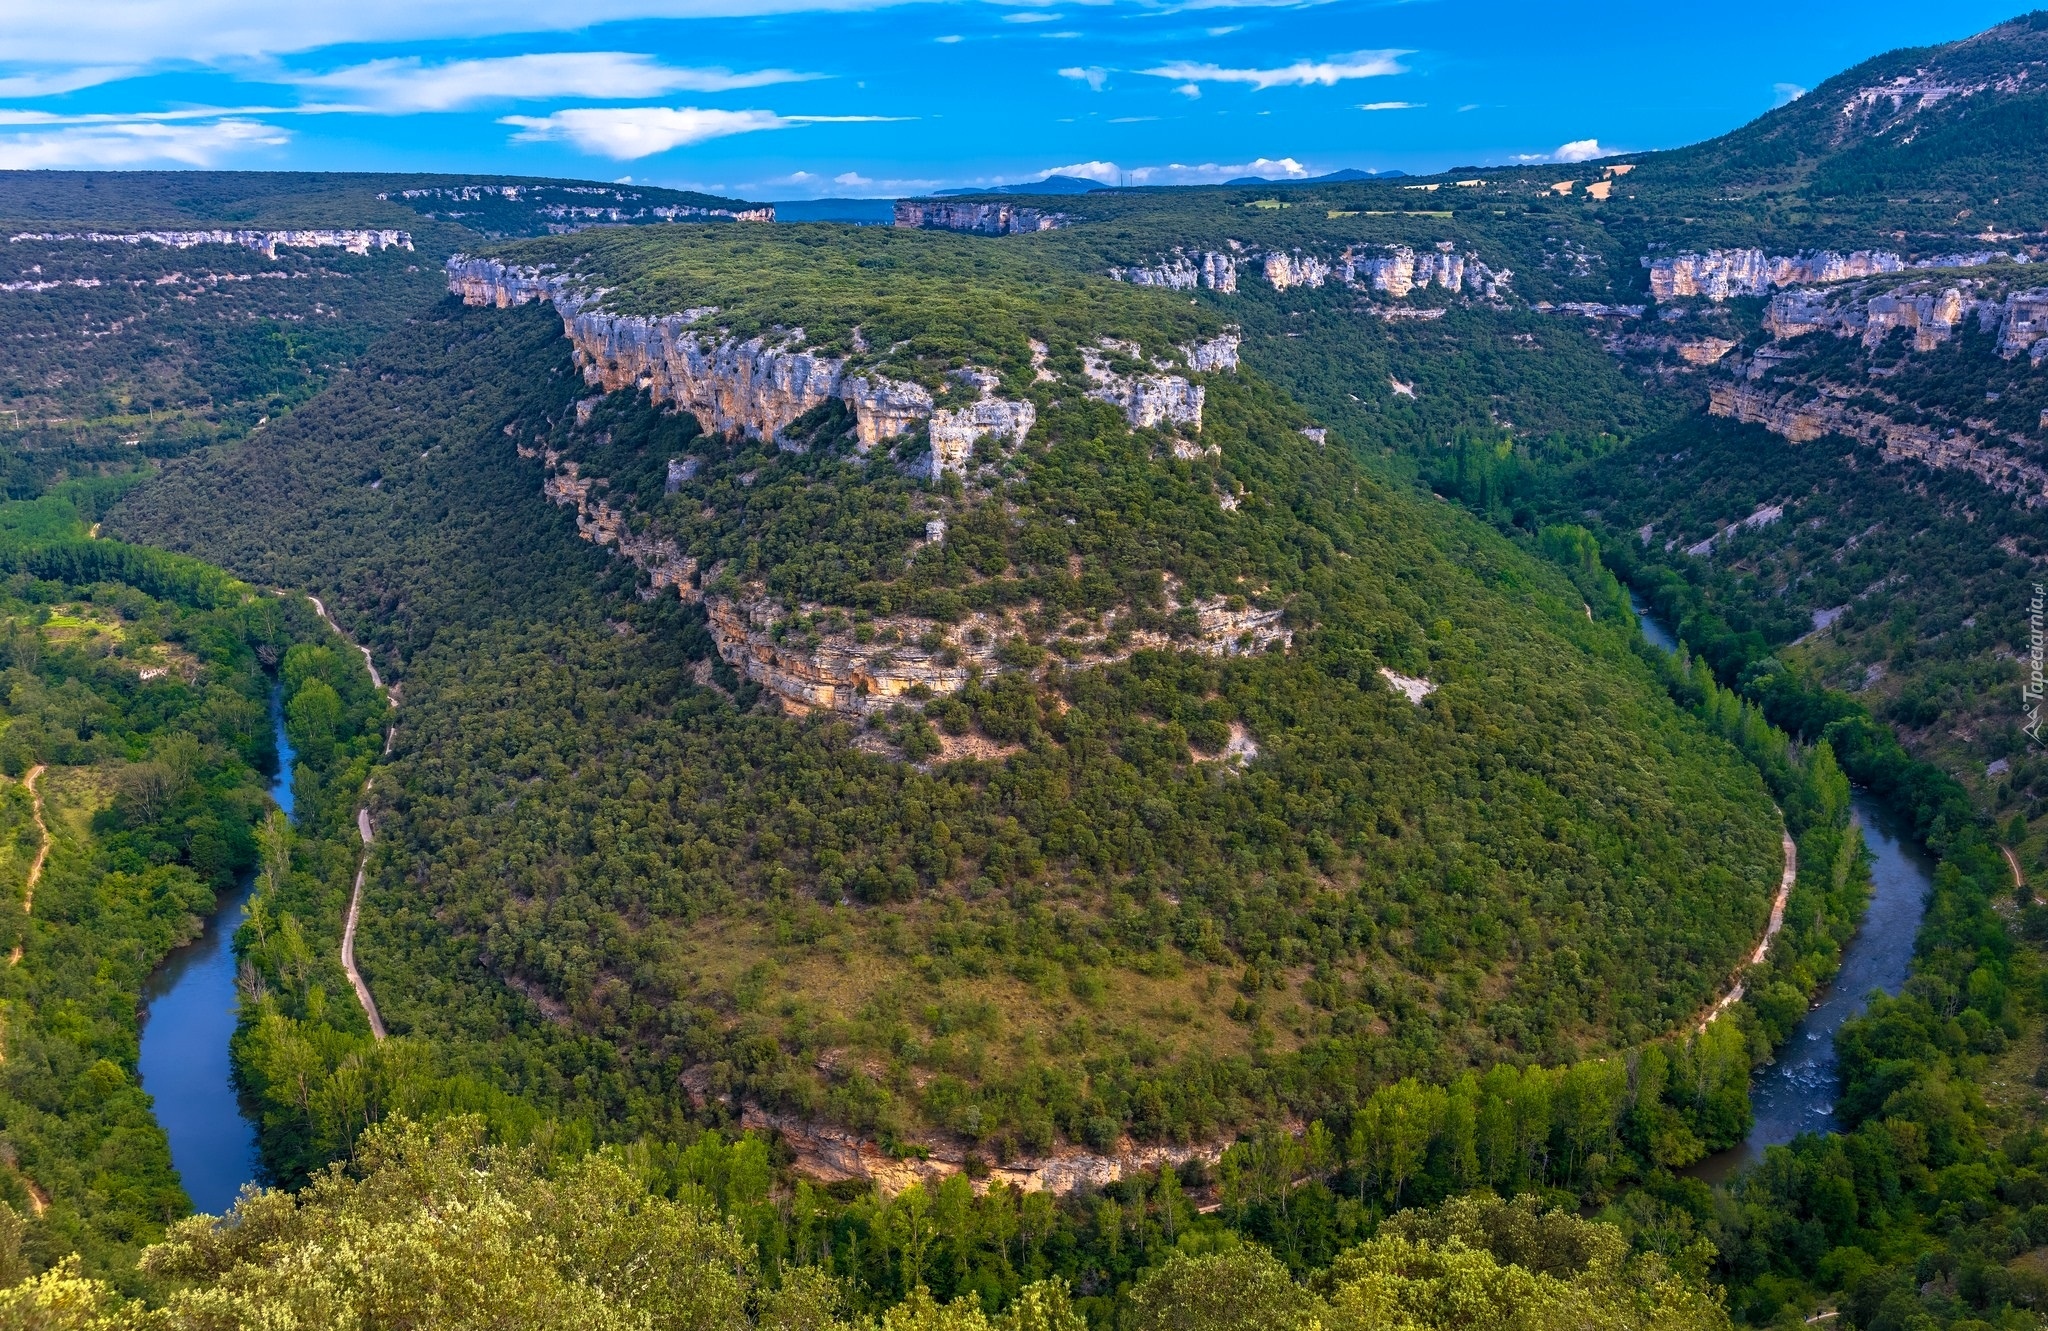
pixel 1333 178
pixel 1049 185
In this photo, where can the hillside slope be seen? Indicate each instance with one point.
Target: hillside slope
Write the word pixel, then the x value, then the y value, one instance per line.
pixel 1176 885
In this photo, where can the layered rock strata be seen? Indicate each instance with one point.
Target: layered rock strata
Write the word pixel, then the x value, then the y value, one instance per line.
pixel 267 243
pixel 954 431
pixel 988 219
pixel 756 386
pixel 1802 413
pixel 1147 400
pixel 835 1155
pixel 1720 274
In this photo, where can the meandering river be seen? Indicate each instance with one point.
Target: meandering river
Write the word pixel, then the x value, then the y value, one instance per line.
pixel 1796 1093
pixel 188 1018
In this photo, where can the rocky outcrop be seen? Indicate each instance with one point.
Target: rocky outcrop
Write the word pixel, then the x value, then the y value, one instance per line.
pixel 836 1155
pixel 1146 399
pixel 1801 413
pixel 1218 353
pixel 818 660
pixel 1930 315
pixel 2023 325
pixel 1184 270
pixel 988 219
pixel 1295 270
pixel 1398 270
pixel 954 431
pixel 756 386
pixel 267 243
pixel 598 522
pixel 1720 274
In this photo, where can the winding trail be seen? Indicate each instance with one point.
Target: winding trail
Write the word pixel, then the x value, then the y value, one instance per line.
pixel 2012 862
pixel 35 870
pixel 1763 947
pixel 355 897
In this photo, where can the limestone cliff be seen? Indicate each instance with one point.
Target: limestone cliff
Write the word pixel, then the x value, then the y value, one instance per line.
pixel 988 219
pixel 756 386
pixel 1802 413
pixel 836 1155
pixel 354 240
pixel 1184 270
pixel 1295 270
pixel 1147 399
pixel 1720 274
pixel 954 431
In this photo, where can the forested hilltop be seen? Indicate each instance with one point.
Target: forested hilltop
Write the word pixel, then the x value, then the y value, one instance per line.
pixel 1100 777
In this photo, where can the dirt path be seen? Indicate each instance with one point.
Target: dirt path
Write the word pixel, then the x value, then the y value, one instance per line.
pixel 1763 947
pixel 35 870
pixel 348 932
pixel 355 897
pixel 2012 862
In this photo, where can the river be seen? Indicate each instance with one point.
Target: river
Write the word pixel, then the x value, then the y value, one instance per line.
pixel 188 1018
pixel 1796 1092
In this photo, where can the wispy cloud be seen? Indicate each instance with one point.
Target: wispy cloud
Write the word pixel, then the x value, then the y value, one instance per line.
pixel 1095 76
pixel 1392 106
pixel 1784 94
pixel 1032 16
pixel 1302 73
pixel 627 132
pixel 51 83
pixel 409 84
pixel 1181 173
pixel 133 143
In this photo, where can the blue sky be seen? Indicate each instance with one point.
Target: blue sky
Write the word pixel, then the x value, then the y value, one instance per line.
pixel 799 98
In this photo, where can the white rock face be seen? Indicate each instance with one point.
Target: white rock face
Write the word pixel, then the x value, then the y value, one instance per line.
pixel 1719 274
pixel 1218 353
pixel 954 431
pixel 1146 399
pixel 989 219
pixel 1408 686
pixel 757 386
pixel 1184 270
pixel 354 240
pixel 1295 270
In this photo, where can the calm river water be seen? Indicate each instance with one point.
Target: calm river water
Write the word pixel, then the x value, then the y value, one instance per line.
pixel 188 1017
pixel 1796 1093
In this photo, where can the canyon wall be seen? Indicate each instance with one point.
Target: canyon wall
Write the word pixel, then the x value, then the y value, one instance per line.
pixel 988 219
pixel 1802 413
pixel 1720 274
pixel 354 240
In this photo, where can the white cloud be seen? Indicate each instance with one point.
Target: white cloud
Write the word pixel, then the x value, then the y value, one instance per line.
pixel 948 39
pixel 132 143
pixel 851 179
pixel 52 82
pixel 1784 94
pixel 408 84
pixel 1095 76
pixel 142 31
pixel 1302 73
pixel 1579 150
pixel 1179 173
pixel 1105 172
pixel 1030 16
pixel 627 132
pixel 1226 30
pixel 1392 106
pixel 1189 90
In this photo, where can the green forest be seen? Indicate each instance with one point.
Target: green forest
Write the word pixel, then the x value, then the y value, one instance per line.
pixel 1368 978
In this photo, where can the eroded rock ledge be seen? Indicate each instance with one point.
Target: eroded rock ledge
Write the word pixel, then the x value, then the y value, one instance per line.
pixel 354 240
